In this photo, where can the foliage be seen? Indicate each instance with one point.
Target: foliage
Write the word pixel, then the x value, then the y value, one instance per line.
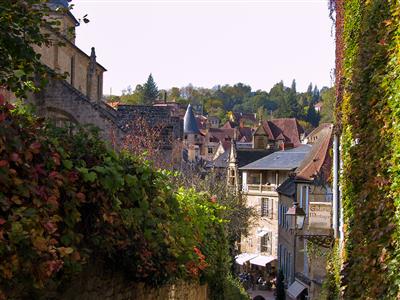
pixel 331 284
pixel 234 289
pixel 237 218
pixel 237 214
pixel 150 91
pixel 65 199
pixel 312 116
pixel 133 97
pixel 328 104
pixel 368 112
pixel 280 286
pixel 279 102
pixel 20 32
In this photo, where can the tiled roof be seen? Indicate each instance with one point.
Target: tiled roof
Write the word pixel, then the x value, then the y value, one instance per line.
pixel 245 134
pixel 228 124
pixel 287 188
pixel 286 128
pixel 247 156
pixel 318 161
pixel 221 134
pixel 221 161
pixel 281 160
pixel 238 116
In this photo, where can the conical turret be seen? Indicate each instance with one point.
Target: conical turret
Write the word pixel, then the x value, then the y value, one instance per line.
pixel 189 122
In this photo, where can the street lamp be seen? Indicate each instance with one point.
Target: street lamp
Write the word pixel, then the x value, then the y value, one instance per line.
pixel 297 216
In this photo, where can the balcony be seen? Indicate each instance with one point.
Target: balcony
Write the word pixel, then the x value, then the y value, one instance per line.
pixel 261 188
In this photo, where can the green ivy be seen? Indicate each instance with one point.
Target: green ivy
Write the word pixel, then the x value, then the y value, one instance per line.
pixel 370 122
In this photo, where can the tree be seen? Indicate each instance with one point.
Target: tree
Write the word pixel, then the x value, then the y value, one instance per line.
pixel 135 97
pixel 238 215
pixel 174 94
pixel 150 91
pixel 312 115
pixel 315 95
pixel 20 31
pixel 292 101
pixel 328 104
pixel 280 286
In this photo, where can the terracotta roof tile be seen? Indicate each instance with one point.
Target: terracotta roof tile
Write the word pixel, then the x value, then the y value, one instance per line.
pixel 318 161
pixel 286 129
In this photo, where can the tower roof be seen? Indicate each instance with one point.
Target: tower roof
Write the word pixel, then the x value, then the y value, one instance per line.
pixel 189 122
pixel 58 3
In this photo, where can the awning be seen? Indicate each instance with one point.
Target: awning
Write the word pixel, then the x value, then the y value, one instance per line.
pixel 243 257
pixel 261 233
pixel 262 260
pixel 295 289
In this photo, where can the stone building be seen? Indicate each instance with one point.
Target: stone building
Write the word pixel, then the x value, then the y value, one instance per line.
pixel 77 99
pixel 259 187
pixel 305 268
pixel 268 137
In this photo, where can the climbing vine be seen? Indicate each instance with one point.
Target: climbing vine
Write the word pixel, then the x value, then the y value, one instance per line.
pixel 368 113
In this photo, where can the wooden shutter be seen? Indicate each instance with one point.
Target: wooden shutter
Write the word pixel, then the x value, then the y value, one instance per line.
pixel 270 208
pixel 269 242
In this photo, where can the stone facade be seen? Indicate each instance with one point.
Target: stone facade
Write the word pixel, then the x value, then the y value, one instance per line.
pixel 82 71
pixel 154 115
pixel 62 103
pixel 259 190
pixel 308 268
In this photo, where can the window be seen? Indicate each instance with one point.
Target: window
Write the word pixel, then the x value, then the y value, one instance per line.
pixel 267 207
pixel 72 71
pixel 254 178
pixel 210 150
pixel 264 204
pixel 266 243
pixel 279 214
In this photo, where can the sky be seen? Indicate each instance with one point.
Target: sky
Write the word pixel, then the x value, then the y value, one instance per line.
pixel 209 42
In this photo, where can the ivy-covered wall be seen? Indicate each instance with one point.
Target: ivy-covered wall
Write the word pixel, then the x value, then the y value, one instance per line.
pixel 368 115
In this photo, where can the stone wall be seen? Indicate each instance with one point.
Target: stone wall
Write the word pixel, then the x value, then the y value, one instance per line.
pixel 98 284
pixel 153 115
pixel 61 102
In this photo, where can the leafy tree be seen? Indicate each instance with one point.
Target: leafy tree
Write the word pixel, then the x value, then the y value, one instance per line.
pixel 174 94
pixel 315 95
pixel 328 104
pixel 20 32
pixel 292 101
pixel 280 286
pixel 135 97
pixel 150 91
pixel 312 115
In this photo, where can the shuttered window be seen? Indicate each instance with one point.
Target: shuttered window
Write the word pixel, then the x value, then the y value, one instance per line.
pixel 267 206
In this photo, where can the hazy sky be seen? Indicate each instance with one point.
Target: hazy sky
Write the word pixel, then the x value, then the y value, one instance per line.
pixel 209 42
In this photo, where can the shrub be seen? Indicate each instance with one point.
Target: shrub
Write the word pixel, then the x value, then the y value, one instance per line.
pixel 66 199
